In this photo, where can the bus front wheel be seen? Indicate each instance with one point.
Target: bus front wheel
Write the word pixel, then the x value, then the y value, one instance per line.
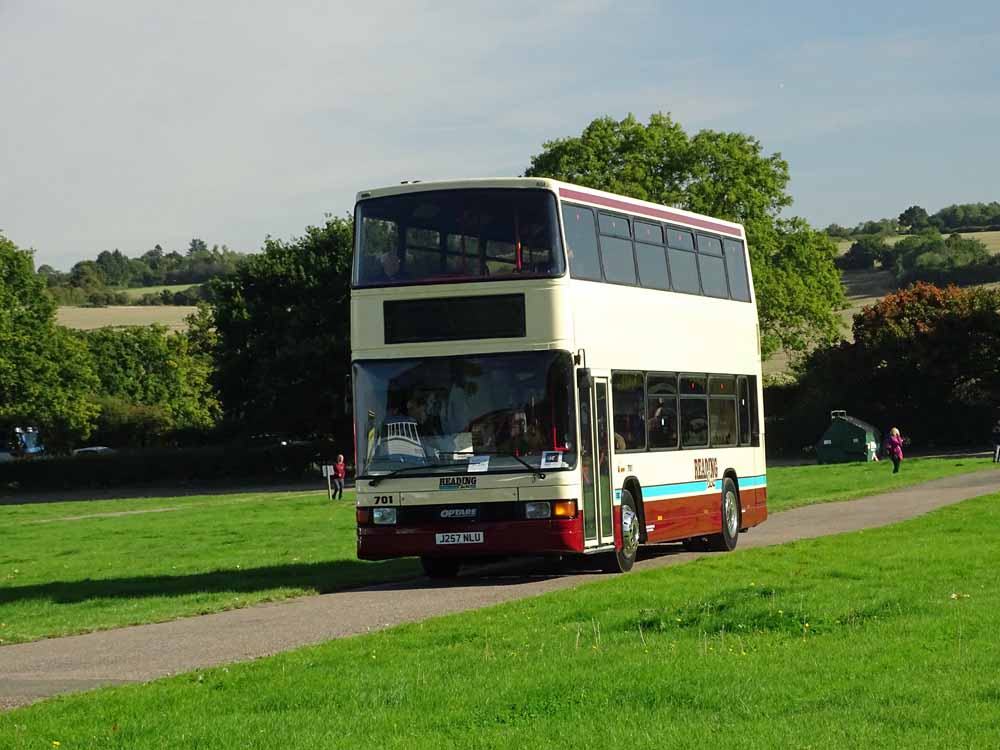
pixel 623 558
pixel 440 567
pixel 726 539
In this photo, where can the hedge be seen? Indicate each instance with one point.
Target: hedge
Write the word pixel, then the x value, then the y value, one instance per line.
pixel 103 470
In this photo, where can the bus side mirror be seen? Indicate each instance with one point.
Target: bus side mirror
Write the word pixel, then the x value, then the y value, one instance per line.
pixel 584 379
pixel 348 395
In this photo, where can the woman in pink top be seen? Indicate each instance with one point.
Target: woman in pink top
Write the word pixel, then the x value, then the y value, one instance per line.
pixel 895 444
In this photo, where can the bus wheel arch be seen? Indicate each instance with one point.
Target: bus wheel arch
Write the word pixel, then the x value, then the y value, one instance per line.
pixel 731 474
pixel 730 516
pixel 635 489
pixel 623 557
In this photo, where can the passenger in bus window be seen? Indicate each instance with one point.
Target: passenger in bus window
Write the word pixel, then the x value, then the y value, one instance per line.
pixel 389 270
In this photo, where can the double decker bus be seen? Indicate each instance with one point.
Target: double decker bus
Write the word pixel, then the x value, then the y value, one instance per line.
pixel 540 368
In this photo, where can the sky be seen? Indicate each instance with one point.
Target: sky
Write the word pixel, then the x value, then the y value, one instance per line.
pixel 125 123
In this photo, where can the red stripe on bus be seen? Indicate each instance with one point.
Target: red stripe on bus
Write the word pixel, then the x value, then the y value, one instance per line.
pixel 657 212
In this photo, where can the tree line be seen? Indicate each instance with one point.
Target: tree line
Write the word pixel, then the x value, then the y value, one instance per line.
pixel 101 281
pixel 960 217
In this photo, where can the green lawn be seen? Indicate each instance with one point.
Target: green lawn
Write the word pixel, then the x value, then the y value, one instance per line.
pixel 884 638
pixel 61 574
pixel 793 486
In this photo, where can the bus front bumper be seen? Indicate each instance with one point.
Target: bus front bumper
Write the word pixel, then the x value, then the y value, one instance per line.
pixel 501 538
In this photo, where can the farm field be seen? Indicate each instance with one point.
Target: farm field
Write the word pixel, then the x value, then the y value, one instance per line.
pixel 80 566
pixel 990 239
pixel 883 638
pixel 88 318
pixel 138 291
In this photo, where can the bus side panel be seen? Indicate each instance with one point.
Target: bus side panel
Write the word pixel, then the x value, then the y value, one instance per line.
pixel 697 515
pixel 680 517
pixel 754 502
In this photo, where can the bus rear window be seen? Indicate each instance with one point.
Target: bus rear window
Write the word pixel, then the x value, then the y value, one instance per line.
pixel 457 235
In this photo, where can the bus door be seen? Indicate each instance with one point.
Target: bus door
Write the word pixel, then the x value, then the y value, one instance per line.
pixel 595 458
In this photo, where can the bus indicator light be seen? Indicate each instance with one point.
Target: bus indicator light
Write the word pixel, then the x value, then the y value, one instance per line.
pixel 564 509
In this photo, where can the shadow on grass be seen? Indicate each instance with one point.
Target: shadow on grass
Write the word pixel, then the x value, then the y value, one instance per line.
pixel 320 578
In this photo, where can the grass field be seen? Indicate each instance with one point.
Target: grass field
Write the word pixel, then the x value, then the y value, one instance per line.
pixel 136 292
pixel 795 486
pixel 884 638
pixel 87 318
pixel 74 567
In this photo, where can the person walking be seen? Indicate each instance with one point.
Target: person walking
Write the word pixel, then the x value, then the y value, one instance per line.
pixel 339 473
pixel 895 445
pixel 996 442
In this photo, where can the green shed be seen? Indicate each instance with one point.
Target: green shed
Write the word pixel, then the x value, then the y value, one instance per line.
pixel 847 439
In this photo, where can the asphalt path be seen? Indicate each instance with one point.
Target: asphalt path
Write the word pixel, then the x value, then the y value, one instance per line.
pixel 33 671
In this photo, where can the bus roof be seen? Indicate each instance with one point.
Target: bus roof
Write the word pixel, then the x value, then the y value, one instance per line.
pixel 566 191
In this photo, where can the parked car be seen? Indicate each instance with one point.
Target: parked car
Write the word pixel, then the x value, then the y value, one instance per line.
pixel 92 450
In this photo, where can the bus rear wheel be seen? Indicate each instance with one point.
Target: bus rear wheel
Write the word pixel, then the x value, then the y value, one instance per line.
pixel 726 539
pixel 440 567
pixel 622 559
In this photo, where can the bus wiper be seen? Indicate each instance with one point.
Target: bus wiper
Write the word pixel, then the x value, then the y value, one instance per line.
pixel 373 482
pixel 537 472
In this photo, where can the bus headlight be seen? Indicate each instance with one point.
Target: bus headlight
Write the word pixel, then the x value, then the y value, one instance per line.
pixel 384 516
pixel 538 510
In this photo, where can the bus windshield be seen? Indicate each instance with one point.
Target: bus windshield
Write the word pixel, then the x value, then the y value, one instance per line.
pixel 457 235
pixel 505 409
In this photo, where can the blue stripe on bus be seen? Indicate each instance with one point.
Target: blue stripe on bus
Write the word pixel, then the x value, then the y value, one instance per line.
pixel 662 491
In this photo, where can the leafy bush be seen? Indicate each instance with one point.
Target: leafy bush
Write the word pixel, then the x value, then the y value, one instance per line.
pixel 864 254
pixel 930 257
pixel 184 297
pixel 122 423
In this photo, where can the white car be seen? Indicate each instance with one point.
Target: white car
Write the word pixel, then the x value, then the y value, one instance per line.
pixel 92 450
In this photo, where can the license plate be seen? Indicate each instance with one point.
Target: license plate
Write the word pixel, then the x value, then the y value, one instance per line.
pixel 460 537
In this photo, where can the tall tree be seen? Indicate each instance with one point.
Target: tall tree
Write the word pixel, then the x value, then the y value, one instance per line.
pixel 914 218
pixel 46 377
pixel 197 246
pixel 283 323
pixel 725 175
